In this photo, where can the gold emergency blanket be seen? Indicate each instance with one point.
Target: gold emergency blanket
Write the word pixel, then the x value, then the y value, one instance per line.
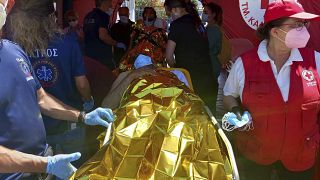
pixel 161 132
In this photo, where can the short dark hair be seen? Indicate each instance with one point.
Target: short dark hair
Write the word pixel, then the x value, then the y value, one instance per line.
pixel 99 2
pixel 149 8
pixel 175 4
pixel 124 7
pixel 263 32
pixel 217 10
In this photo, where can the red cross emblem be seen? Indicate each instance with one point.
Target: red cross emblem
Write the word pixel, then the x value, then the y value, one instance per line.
pixel 307 75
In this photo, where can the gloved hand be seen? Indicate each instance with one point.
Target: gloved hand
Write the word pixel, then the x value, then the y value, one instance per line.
pixel 100 116
pixel 249 125
pixel 60 166
pixel 237 110
pixel 121 46
pixel 231 122
pixel 88 105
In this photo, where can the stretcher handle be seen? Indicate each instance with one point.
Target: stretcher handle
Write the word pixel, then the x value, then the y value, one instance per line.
pixel 227 143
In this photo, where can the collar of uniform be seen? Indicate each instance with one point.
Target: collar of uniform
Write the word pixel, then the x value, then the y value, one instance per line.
pixel 263 53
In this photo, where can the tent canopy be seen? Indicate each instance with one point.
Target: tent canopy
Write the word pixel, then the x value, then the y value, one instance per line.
pixel 241 17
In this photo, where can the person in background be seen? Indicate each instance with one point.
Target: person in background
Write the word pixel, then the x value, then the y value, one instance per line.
pixel 147 40
pixel 73 27
pixel 150 19
pixel 278 84
pixel 121 32
pixel 22 134
pixel 191 51
pixel 212 14
pixel 58 64
pixel 149 16
pixel 98 42
pixel 191 8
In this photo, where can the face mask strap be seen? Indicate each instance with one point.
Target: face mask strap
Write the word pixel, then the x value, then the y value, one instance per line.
pixel 280 38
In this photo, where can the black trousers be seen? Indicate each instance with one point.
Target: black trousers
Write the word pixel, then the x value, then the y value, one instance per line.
pixel 250 170
pixel 205 85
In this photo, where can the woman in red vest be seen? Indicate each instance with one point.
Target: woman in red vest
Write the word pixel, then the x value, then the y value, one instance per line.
pixel 278 83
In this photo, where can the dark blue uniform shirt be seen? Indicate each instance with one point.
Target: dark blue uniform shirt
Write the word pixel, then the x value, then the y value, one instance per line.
pixel 21 125
pixel 56 70
pixel 94 47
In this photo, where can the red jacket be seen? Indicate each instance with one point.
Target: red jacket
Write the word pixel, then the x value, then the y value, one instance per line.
pixel 285 131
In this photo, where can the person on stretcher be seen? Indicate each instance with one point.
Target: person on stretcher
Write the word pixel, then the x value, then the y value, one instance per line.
pixel 143 66
pixel 161 131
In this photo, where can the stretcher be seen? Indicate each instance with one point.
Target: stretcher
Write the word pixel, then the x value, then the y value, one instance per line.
pixel 231 161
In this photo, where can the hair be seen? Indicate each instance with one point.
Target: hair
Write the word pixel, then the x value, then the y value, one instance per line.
pixel 71 13
pixel 124 7
pixel 31 24
pixel 190 7
pixel 175 4
pixel 217 10
pixel 263 32
pixel 149 8
pixel 99 2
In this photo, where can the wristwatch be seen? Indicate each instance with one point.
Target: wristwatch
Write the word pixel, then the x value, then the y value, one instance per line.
pixel 82 116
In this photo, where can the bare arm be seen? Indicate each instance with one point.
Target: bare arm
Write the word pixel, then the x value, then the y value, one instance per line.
pixel 54 108
pixel 83 87
pixel 229 102
pixel 171 46
pixel 113 98
pixel 13 161
pixel 106 38
pixel 119 79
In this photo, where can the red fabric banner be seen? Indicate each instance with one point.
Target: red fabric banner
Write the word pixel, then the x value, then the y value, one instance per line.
pixel 241 16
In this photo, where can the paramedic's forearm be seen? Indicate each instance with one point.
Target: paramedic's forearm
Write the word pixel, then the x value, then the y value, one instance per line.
pixel 52 107
pixel 106 38
pixel 83 87
pixel 229 102
pixel 12 161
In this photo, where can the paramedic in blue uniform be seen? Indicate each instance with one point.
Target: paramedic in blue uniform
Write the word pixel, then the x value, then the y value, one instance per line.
pixel 22 133
pixel 97 39
pixel 58 64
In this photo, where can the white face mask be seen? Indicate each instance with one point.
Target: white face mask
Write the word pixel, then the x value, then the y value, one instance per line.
pixel 110 11
pixel 160 23
pixel 124 19
pixel 3 15
pixel 148 23
pixel 73 23
pixel 174 16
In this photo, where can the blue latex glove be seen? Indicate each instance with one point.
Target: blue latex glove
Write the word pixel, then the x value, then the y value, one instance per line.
pixel 88 105
pixel 230 121
pixel 121 46
pixel 60 165
pixel 100 116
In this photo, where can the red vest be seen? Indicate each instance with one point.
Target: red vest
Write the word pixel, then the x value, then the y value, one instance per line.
pixel 285 131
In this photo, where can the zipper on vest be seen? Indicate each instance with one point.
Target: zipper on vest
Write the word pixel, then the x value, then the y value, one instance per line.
pixel 285 127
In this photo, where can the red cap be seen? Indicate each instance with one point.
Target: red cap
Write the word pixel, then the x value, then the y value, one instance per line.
pixel 287 8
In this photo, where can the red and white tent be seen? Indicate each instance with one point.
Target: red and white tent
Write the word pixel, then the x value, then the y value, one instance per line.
pixel 241 17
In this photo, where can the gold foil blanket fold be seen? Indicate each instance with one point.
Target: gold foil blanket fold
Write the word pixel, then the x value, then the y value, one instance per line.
pixel 161 132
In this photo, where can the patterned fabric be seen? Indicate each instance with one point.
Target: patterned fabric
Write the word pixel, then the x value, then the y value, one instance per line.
pixel 149 41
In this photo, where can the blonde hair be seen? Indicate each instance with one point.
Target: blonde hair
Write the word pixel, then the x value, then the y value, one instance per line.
pixel 32 30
